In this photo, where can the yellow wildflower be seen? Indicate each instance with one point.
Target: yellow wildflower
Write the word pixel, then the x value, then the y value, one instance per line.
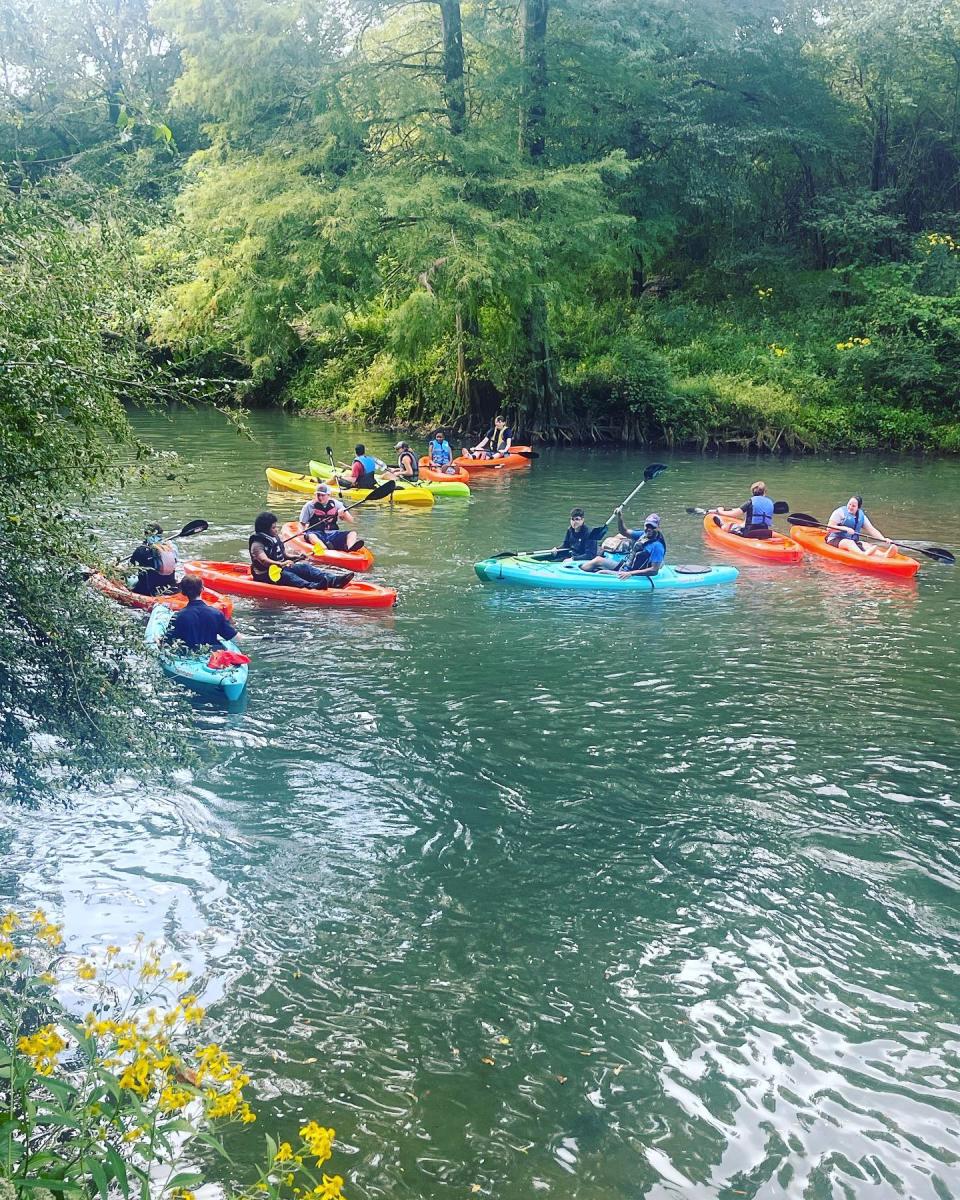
pixel 319 1141
pixel 183 1194
pixel 113 951
pixel 10 922
pixel 86 970
pixel 8 951
pixel 330 1188
pixel 172 1099
pixel 48 978
pixel 284 1153
pixel 42 1048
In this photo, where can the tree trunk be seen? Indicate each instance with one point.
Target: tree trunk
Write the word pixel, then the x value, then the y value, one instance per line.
pixel 533 55
pixel 454 95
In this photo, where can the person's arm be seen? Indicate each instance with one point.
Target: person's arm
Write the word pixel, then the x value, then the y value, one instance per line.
pixel 226 630
pixel 305 514
pixel 835 520
pixel 356 471
pixel 507 442
pixel 624 531
pixel 343 515
pixel 871 530
pixel 731 512
pixel 484 441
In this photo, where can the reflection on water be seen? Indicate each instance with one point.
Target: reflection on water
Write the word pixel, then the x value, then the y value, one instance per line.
pixel 559 895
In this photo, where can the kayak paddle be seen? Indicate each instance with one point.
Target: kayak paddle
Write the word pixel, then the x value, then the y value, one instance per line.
pixel 191 528
pixel 334 469
pixel 649 473
pixel 779 506
pixel 937 553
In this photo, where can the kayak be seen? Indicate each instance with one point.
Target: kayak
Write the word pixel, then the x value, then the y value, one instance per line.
pixel 898 565
pixel 124 595
pixel 448 485
pixel 350 560
pixel 776 549
pixel 293 481
pixel 536 573
pixel 194 670
pixel 508 462
pixel 429 472
pixel 235 578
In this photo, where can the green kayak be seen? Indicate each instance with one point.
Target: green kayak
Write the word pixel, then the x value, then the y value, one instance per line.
pixel 446 488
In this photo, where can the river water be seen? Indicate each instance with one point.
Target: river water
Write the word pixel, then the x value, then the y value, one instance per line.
pixel 553 895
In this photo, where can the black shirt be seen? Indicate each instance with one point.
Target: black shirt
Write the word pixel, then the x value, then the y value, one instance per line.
pixel 199 625
pixel 584 542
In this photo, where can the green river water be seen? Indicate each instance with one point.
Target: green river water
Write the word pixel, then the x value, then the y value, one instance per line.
pixel 684 868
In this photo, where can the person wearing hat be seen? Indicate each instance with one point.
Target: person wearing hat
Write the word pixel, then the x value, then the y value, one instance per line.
pixel 645 554
pixel 440 453
pixel 407 466
pixel 319 518
pixel 156 562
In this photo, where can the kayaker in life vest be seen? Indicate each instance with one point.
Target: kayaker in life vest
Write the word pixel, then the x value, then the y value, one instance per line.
pixel 319 518
pixel 407 465
pixel 848 522
pixel 267 550
pixel 156 562
pixel 495 443
pixel 645 555
pixel 197 624
pixel 440 454
pixel 757 513
pixel 580 542
pixel 362 473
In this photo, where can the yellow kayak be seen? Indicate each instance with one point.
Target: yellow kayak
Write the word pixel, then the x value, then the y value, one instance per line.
pixel 293 481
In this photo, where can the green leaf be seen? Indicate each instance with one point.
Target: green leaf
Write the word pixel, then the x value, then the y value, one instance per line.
pixel 185 1179
pixel 50 1182
pixel 99 1177
pixel 119 1168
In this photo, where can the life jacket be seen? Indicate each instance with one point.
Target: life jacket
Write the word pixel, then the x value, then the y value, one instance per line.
pixel 853 521
pixel 163 558
pixel 498 438
pixel 323 516
pixel 412 461
pixel 369 464
pixel 273 548
pixel 761 513
pixel 440 453
pixel 638 555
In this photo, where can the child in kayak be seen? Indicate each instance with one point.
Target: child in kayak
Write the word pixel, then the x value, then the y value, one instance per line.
pixel 319 518
pixel 848 522
pixel 580 542
pixel 440 454
pixel 495 443
pixel 197 624
pixel 757 513
pixel 269 562
pixel 645 555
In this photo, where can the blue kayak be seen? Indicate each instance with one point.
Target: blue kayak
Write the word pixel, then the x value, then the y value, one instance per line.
pixel 533 572
pixel 192 669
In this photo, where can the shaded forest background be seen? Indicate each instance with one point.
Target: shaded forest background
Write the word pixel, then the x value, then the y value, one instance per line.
pixel 710 223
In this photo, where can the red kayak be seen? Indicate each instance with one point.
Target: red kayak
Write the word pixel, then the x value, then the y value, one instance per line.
pixel 350 560
pixel 123 595
pixel 776 549
pixel 896 565
pixel 236 579
pixel 435 476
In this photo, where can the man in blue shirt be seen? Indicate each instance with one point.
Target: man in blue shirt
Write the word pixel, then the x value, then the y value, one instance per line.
pixel 197 624
pixel 645 556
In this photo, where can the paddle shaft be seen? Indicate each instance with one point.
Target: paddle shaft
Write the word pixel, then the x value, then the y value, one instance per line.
pixel 630 497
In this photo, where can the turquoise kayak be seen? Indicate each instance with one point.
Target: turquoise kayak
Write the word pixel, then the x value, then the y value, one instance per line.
pixel 447 487
pixel 192 669
pixel 533 572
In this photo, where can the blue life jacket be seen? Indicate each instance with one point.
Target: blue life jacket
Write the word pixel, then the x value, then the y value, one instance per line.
pixel 440 453
pixel 368 479
pixel 854 521
pixel 761 513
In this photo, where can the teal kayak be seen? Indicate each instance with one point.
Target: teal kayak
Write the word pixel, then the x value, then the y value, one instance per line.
pixel 192 669
pixel 532 572
pixel 450 487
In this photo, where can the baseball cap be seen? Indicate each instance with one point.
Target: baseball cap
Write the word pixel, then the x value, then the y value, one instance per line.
pixel 653 519
pixel 321 489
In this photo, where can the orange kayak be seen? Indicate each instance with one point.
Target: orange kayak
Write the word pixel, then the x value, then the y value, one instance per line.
pixel 508 462
pixel 897 565
pixel 776 549
pixel 115 590
pixel 428 472
pixel 236 579
pixel 350 560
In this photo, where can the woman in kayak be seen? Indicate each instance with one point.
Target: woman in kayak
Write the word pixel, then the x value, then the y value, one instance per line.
pixel 440 454
pixel 407 466
pixel 757 513
pixel 269 562
pixel 645 555
pixel 848 522
pixel 319 519
pixel 156 562
pixel 495 443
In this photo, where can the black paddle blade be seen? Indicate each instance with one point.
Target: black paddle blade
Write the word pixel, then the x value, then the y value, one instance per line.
pixel 804 519
pixel 526 453
pixel 382 491
pixel 937 553
pixel 329 450
pixel 193 527
pixel 654 470
pixel 718 522
pixel 781 507
pixel 702 512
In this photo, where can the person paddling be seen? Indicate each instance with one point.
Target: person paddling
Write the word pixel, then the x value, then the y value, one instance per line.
pixel 645 555
pixel 757 513
pixel 319 518
pixel 848 522
pixel 362 473
pixel 440 454
pixel 580 541
pixel 269 562
pixel 495 443
pixel 197 624
pixel 156 561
